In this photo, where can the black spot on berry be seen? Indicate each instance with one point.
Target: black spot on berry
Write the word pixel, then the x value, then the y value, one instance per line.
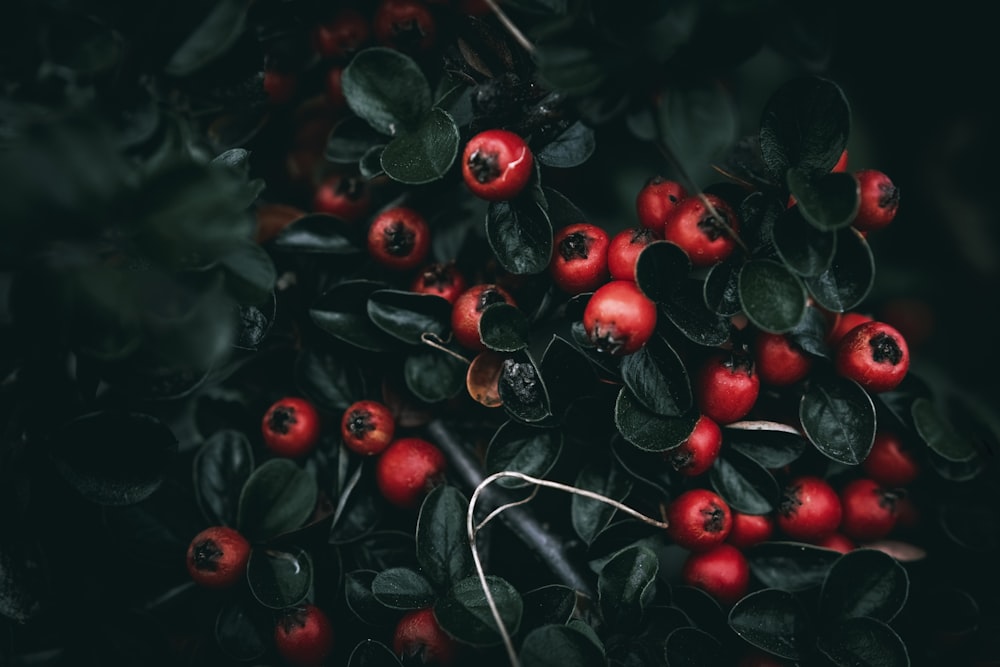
pixel 398 239
pixel 282 419
pixel 575 246
pixel 485 166
pixel 885 349
pixel 207 554
pixel 488 297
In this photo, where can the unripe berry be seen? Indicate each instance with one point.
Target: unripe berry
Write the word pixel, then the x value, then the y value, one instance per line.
pixel 874 355
pixel 723 572
pixel 367 427
pixel 810 509
pixel 291 427
pixel 869 510
pixel 304 636
pixel 698 520
pixel 699 450
pixel 497 165
pixel 619 318
pixel 726 386
pixel 418 635
pixel 579 262
pixel 217 557
pixel 407 470
pixel 878 202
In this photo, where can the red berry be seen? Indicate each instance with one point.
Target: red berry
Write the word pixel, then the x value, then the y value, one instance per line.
pixel 750 529
pixel 405 25
pixel 707 237
pixel 217 557
pixel 418 635
pixel 723 572
pixel 580 261
pixel 698 452
pixel 335 88
pixel 407 470
pixel 441 279
pixel 655 200
pixel 342 196
pixel 468 310
pixel 780 361
pixel 874 355
pixel 341 36
pixel 279 86
pixel 879 200
pixel 889 462
pixel 843 323
pixel 869 510
pixel 698 520
pixel 623 252
pixel 837 542
pixel 291 427
pixel 726 386
pixel 399 238
pixel 367 427
pixel 497 165
pixel 304 636
pixel 619 318
pixel 810 509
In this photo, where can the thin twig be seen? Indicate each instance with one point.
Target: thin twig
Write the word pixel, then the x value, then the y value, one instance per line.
pixel 511 28
pixel 500 510
pixel 433 340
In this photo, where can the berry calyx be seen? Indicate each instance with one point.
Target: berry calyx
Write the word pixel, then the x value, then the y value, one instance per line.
pixel 699 450
pixel 404 25
pixel 619 318
pixel 878 200
pixel 726 386
pixel 699 520
pixel 580 259
pixel 890 462
pixel 624 249
pixel 399 239
pixel 705 227
pixel 342 196
pixel 468 310
pixel 342 35
pixel 407 470
pixel 291 427
pixel 655 200
pixel 779 360
pixel 303 636
pixel 367 427
pixel 750 529
pixel 875 355
pixel 441 279
pixel 217 557
pixel 497 164
pixel 869 511
pixel 810 509
pixel 418 635
pixel 722 571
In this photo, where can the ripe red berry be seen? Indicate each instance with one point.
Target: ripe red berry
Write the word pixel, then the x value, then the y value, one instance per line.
pixel 399 238
pixel 837 542
pixel 343 196
pixel 698 520
pixel 341 36
pixel 468 310
pixel 810 509
pixel 217 557
pixel 707 237
pixel 497 164
pixel 279 86
pixel 750 529
pixel 291 427
pixel 869 510
pixel 698 452
pixel 623 252
pixel 580 261
pixel 726 386
pixel 407 470
pixel 441 279
pixel 890 462
pixel 655 200
pixel 303 636
pixel 723 572
pixel 843 323
pixel 619 318
pixel 418 635
pixel 874 355
pixel 779 360
pixel 879 200
pixel 404 25
pixel 367 427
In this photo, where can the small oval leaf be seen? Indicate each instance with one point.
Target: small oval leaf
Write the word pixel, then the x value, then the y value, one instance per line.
pixel 425 154
pixel 864 582
pixel 657 378
pixel 863 641
pixel 520 235
pixel 647 430
pixel 222 466
pixel 626 585
pixel 660 269
pixel 570 149
pixel 504 328
pixel 465 614
pixel 803 248
pixel 442 543
pixel 370 653
pixel 772 448
pixel 838 417
pixel 828 202
pixel 317 233
pixel 523 448
pixel 277 498
pixel 403 588
pixel 772 296
pixel 691 647
pixel 407 315
pixel 744 484
pixel 591 516
pixel 279 578
pixel 560 646
pixel 939 434
pixel 790 566
pixel 775 621
pixel 387 89
pixel 433 375
pixel 850 276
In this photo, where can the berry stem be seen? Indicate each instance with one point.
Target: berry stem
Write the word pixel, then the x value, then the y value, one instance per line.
pixel 511 28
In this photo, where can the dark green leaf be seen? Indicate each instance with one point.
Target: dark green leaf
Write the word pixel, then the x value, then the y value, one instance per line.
pixel 660 269
pixel 560 646
pixel 21 586
pixel 571 148
pixel 370 164
pixel 657 378
pixel 250 273
pixel 686 310
pixel 810 333
pixel 520 235
pixel 403 588
pixel 522 389
pixel 221 468
pixel 114 457
pixel 772 297
pixel 805 125
pixel 561 210
pixel 698 123
pixel 591 516
pixel 838 416
pixel 278 497
pixel 972 523
pixel 790 566
pixel 553 603
pixel 217 33
pixel 409 315
pixel 772 448
pixel 721 289
pixel 350 139
pixel 626 585
pixel 850 277
pixel 434 375
pixel 361 600
pixel 442 543
pixel 243 630
pixel 465 614
pixel 646 429
pixel 744 484
pixel 504 328
pixel 864 582
pixel 522 448
pixel 342 312
pixel 775 621
pixel 387 89
pixel 237 159
pixel 828 202
pixel 279 578
pixel 426 153
pixel 370 653
pixel 568 374
pixel 804 248
pixel 540 6
pixel 317 233
pixel 691 647
pixel 571 69
pixel 863 641
pixel 939 433
pixel 331 381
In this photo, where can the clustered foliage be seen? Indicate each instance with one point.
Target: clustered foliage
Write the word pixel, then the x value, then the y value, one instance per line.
pixel 187 196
